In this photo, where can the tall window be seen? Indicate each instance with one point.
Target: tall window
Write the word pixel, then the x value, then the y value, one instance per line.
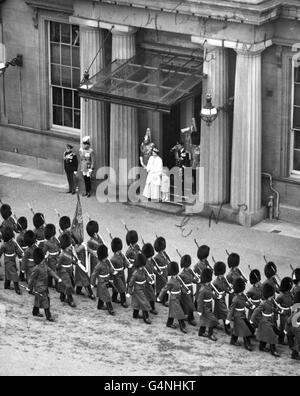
pixel 64 75
pixel 296 118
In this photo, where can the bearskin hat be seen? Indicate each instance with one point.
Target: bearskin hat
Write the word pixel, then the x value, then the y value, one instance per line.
pixel 132 237
pixel 5 211
pixel 286 284
pixel 64 223
pixel 219 268
pixel 206 275
pixel 102 252
pixel 7 234
pixel 50 231
pixel 160 244
pixel 203 252
pixel 254 276
pixel 38 256
pixel 239 285
pixel 270 270
pixel 29 238
pixel 38 220
pixel 65 241
pixel 22 224
pixel 268 290
pixel 148 250
pixel 174 268
pixel 233 260
pixel 297 298
pixel 92 228
pixel 186 261
pixel 116 245
pixel 140 261
pixel 296 276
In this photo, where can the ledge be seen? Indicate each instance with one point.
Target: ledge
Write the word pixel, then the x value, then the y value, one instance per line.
pixel 65 6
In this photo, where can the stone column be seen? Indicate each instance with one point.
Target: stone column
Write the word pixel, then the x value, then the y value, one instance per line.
pixel 247 134
pixel 93 113
pixel 123 119
pixel 215 138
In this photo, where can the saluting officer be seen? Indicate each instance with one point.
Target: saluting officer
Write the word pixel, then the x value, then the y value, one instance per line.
pixel 87 157
pixel 71 167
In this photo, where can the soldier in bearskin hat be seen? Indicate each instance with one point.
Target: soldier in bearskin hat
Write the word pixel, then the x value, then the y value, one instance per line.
pixel 265 316
pixel 51 250
pixel 296 280
pixel 162 263
pixel 133 250
pixel 175 288
pixel 27 263
pixel 293 328
pixel 240 325
pixel 285 300
pixel 137 289
pixel 224 288
pixel 254 294
pixel 92 228
pixel 11 251
pixel 202 254
pixel 8 220
pixel 188 278
pixel 119 263
pixel 270 271
pixel 233 262
pixel 150 269
pixel 101 276
pixel 205 306
pixel 39 231
pixel 38 283
pixel 22 226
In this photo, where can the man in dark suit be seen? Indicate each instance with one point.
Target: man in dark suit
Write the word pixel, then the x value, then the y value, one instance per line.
pixel 71 167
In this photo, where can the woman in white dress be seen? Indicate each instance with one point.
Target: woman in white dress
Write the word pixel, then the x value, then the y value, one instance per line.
pixel 154 178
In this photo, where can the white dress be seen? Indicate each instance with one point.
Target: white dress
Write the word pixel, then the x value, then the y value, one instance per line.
pixel 153 181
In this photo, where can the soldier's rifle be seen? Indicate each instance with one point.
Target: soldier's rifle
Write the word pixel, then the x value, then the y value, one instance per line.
pixel 30 291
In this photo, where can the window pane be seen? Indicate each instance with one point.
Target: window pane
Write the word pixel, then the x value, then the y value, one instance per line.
pixel 68 121
pixel 55 75
pixel 76 100
pixel 297 160
pixel 66 55
pixel 55 32
pixel 297 140
pixel 297 95
pixel 76 78
pixel 65 33
pixel 75 35
pixel 75 57
pixel 57 115
pixel 57 96
pixel 297 74
pixel 66 76
pixel 77 119
pixel 68 98
pixel 297 117
pixel 55 53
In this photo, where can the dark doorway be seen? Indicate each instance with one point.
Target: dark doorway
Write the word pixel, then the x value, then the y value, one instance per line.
pixel 171 135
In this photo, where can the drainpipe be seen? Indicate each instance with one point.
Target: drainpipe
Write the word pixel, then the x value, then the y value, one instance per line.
pixel 276 212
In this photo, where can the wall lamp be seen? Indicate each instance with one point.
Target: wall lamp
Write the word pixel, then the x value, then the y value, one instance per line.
pixel 209 112
pixel 18 61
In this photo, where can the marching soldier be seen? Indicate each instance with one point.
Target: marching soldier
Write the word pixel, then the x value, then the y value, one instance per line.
pixel 188 278
pixel 240 325
pixel 11 251
pixel 220 283
pixel 8 220
pixel 255 293
pixel 101 276
pixel 87 157
pixel 202 254
pixel 285 300
pixel 293 328
pixel 162 261
pixel 22 226
pixel 174 287
pixel 270 271
pixel 137 290
pixel 39 224
pixel 27 263
pixel 119 262
pixel 51 250
pixel 38 284
pixel 233 262
pixel 92 228
pixel 150 270
pixel 132 251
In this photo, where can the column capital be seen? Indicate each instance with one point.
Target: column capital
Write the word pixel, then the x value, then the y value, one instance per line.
pixel 125 31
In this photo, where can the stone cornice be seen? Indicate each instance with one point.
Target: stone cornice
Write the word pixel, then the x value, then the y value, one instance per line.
pixel 56 6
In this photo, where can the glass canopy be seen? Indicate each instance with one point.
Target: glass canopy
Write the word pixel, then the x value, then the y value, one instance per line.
pixel 150 80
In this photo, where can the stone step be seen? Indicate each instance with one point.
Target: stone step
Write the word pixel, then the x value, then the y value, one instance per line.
pixel 290 214
pixel 165 207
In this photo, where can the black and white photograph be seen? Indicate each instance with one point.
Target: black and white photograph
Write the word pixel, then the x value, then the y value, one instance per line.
pixel 150 190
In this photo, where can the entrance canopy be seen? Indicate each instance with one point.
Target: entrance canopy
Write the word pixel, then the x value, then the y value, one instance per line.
pixel 150 80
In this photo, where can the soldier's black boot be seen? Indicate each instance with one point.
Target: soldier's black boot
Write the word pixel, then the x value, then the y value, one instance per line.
pixel 7 285
pixel 100 304
pixel 17 288
pixel 153 310
pixel 211 335
pixel 274 351
pixel 135 314
pixel 281 338
pixel 123 300
pixel 226 327
pixel 110 308
pixel 182 326
pixel 90 292
pixel 263 347
pixel 71 301
pixel 234 341
pixel 115 297
pixel 48 315
pixel 201 332
pixel 36 312
pixel 79 291
pixel 170 323
pixel 295 355
pixel 247 344
pixel 191 319
pixel 146 317
pixel 22 276
pixel 290 341
pixel 62 297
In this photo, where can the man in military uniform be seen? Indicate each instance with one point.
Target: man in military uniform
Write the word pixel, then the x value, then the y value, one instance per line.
pixel 71 167
pixel 87 157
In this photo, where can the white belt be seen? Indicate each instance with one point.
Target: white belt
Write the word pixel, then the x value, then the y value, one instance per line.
pixel 267 315
pixel 255 301
pixel 175 293
pixel 162 268
pixel 30 260
pixel 54 254
pixel 240 309
pixel 189 285
pixel 285 309
pixel 208 301
pixel 119 269
pixel 41 240
pixel 103 276
pixel 140 283
pixel 9 255
pixel 67 266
